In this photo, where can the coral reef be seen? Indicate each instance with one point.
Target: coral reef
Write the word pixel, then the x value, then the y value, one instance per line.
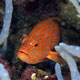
pixel 6 65
pixel 7 20
pixel 25 15
pixel 65 51
pixel 3 73
pixel 50 78
pixel 58 72
pixel 3 40
pixel 76 4
pixel 27 74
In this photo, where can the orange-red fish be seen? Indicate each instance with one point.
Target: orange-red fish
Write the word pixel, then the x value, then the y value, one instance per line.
pixel 37 46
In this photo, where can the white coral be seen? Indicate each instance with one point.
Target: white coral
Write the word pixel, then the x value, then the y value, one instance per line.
pixel 66 52
pixel 58 71
pixel 71 49
pixel 4 35
pixel 7 21
pixel 4 75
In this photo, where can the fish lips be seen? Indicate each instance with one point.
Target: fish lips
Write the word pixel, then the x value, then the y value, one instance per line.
pixel 23 56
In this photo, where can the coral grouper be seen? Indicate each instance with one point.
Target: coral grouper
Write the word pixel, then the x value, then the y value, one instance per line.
pixel 38 45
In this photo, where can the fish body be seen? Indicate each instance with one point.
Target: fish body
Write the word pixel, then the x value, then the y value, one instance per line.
pixel 37 46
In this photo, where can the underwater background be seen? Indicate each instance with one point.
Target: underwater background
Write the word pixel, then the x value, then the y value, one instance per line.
pixel 26 14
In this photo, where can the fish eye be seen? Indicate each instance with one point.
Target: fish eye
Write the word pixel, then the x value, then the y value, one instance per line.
pixel 36 45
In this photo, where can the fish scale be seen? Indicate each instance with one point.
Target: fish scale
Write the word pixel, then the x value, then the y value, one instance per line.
pixel 38 44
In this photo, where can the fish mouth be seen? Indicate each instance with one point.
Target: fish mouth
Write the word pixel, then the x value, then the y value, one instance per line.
pixel 22 53
pixel 23 56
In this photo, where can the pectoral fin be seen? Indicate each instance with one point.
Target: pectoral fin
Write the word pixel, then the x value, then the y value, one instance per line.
pixel 54 56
